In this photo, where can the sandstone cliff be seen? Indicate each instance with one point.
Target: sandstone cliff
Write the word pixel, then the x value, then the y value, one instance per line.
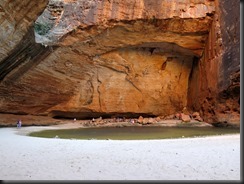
pixel 91 58
pixel 215 83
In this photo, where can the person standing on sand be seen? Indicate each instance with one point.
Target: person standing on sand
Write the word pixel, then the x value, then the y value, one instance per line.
pixel 19 123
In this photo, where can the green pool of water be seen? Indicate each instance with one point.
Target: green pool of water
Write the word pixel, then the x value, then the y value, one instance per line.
pixel 134 133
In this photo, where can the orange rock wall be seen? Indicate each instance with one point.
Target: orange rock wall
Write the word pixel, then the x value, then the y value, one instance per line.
pixel 214 88
pixel 91 58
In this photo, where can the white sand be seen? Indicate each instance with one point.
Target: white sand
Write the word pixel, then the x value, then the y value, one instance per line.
pixel 29 158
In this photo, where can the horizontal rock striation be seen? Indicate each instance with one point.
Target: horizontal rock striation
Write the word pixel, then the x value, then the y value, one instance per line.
pixel 92 58
pixel 16 18
pixel 61 17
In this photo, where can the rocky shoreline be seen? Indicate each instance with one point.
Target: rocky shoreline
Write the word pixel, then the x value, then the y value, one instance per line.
pixel 180 119
pixel 9 120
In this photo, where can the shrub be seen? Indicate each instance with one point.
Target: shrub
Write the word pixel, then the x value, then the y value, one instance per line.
pixel 42 29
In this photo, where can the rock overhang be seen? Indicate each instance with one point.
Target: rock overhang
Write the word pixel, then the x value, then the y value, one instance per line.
pixel 106 33
pixel 188 22
pixel 116 56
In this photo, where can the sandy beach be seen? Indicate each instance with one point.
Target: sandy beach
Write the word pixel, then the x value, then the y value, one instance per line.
pixel 31 158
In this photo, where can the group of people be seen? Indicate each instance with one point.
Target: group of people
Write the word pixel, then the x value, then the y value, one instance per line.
pixel 19 123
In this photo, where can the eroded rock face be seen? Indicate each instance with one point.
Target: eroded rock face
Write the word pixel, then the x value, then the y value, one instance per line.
pixel 215 83
pixel 16 17
pixel 115 57
pixel 62 16
pixel 105 57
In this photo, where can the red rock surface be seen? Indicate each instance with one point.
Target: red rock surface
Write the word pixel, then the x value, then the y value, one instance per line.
pixel 214 88
pixel 126 58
